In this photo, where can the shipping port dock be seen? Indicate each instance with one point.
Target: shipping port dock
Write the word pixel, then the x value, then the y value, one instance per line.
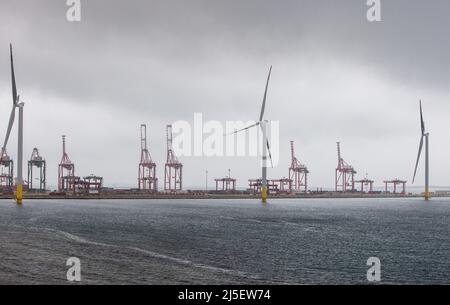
pixel 198 194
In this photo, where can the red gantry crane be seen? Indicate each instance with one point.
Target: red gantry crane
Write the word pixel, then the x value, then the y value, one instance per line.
pixel 173 168
pixel 366 185
pixel 395 182
pixel 37 163
pixel 6 172
pixel 344 175
pixel 147 180
pixel 298 174
pixel 66 172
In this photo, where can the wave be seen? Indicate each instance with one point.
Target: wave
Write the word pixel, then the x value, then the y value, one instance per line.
pixel 180 261
pixel 81 240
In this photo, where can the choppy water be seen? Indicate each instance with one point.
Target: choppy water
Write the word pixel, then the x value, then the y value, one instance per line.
pixel 304 241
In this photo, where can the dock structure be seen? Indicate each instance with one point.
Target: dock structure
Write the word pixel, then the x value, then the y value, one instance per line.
pixel 395 183
pixel 274 186
pixel 255 185
pixel 37 170
pixel 173 179
pixel 226 184
pixel 344 174
pixel 298 174
pixel 283 185
pixel 67 181
pixel 366 185
pixel 69 184
pixel 6 173
pixel 147 180
pixel 92 184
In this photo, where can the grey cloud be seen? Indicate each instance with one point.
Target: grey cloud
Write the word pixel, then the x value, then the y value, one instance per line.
pixel 162 60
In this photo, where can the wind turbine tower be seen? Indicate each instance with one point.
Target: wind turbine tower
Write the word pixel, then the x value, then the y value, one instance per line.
pixel 423 135
pixel 173 179
pixel 147 180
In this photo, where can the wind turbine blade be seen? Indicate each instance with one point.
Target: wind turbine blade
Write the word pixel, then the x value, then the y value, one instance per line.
pixel 245 128
pixel 265 95
pixel 418 157
pixel 270 154
pixel 13 77
pixel 422 124
pixel 11 122
pixel 268 147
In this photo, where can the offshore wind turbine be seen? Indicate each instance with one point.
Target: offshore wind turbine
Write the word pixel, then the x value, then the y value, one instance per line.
pixel 16 104
pixel 266 147
pixel 423 135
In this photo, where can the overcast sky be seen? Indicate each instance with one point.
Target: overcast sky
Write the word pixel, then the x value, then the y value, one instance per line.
pixel 336 77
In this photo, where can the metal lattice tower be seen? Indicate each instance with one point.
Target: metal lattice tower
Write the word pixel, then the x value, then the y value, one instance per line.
pixel 173 168
pixel 298 174
pixel 37 163
pixel 147 180
pixel 344 175
pixel 66 172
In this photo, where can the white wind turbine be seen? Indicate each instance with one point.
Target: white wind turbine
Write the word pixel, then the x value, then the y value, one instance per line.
pixel 266 148
pixel 16 104
pixel 425 135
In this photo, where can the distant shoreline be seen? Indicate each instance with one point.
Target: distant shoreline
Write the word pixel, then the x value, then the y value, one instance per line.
pixel 328 195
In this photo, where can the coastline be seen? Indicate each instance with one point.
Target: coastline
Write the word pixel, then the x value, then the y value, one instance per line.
pixel 187 195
